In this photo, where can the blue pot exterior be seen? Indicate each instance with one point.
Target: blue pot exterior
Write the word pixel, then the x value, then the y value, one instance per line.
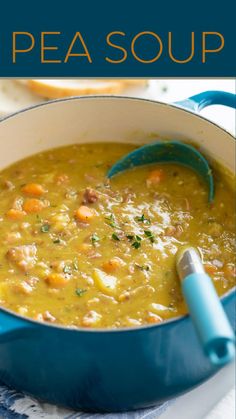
pixel 104 370
pixel 108 370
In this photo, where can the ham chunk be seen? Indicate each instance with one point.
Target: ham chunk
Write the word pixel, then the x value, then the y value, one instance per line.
pixel 24 257
pixel 90 196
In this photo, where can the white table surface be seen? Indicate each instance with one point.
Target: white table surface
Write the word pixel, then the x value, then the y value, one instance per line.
pixel 214 399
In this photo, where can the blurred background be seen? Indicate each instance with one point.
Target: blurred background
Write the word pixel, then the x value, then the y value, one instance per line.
pixel 17 94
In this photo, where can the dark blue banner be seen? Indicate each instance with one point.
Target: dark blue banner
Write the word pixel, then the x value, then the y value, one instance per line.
pixel 118 38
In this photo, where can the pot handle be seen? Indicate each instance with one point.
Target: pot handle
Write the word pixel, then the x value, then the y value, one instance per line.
pixel 12 327
pixel 211 97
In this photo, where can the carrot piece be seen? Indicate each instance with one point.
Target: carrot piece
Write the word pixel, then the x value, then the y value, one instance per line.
pixel 111 265
pixel 15 214
pixel 56 280
pixel 155 177
pixel 33 205
pixel 210 269
pixel 84 214
pixel 153 318
pixel 34 189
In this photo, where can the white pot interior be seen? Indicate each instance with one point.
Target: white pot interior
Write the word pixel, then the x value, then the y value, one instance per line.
pixel 99 119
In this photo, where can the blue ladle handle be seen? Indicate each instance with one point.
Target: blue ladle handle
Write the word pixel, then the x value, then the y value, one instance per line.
pixel 211 97
pixel 211 323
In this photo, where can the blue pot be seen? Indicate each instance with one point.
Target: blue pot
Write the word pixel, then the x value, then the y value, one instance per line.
pixel 105 370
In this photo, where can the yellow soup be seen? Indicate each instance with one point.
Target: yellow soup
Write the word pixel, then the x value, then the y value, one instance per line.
pixel 81 251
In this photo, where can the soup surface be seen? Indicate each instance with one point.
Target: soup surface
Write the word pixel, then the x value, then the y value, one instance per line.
pixel 81 251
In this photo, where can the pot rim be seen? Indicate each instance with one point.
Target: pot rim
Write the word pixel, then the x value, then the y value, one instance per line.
pixel 174 320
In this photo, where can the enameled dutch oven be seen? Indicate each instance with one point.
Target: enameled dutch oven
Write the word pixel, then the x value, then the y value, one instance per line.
pixel 108 370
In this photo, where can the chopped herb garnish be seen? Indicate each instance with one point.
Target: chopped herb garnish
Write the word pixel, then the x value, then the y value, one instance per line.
pixel 137 240
pixel 115 237
pixel 56 241
pixel 143 219
pixel 111 221
pixel 149 235
pixel 142 267
pixel 80 291
pixel 110 217
pixel 45 228
pixel 136 244
pixel 95 239
pixel 113 224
